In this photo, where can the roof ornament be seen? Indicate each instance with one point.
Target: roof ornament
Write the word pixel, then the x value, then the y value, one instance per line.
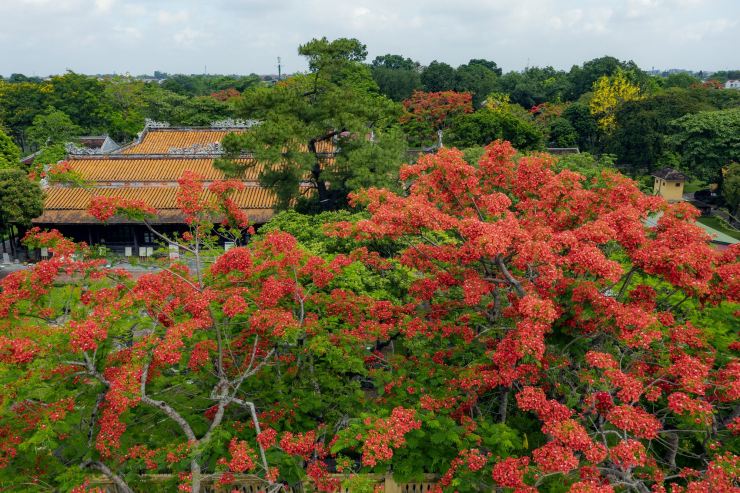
pixel 438 145
pixel 213 149
pixel 149 123
pixel 231 123
pixel 75 150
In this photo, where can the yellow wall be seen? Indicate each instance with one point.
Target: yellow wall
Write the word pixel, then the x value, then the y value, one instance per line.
pixel 669 190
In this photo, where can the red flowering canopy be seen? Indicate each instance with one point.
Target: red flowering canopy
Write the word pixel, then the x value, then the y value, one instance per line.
pixel 539 336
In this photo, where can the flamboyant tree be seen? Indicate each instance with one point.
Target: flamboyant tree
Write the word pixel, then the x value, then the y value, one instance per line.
pixel 428 112
pixel 545 342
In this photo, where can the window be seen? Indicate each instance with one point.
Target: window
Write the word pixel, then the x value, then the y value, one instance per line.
pixel 678 184
pixel 663 183
pixel 117 234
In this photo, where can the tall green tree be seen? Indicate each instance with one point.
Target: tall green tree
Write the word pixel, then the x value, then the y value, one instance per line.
pixel 707 142
pixel 642 127
pixel 20 199
pixel 731 187
pixel 396 84
pixel 83 99
pixel 584 123
pixel 477 79
pixel 486 126
pixel 20 103
pixel 53 127
pixel 301 119
pixel 438 77
pixel 9 153
pixel 394 62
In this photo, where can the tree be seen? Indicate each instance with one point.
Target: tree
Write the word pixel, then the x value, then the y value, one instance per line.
pixel 681 80
pixel 50 154
pixel 20 103
pixel 731 187
pixel 609 93
pixel 476 79
pixel 52 127
pixel 642 127
pixel 396 84
pixel 83 99
pixel 125 97
pixel 10 155
pixel 487 64
pixel 584 123
pixel 562 134
pixel 438 77
pixel 426 113
pixel 20 201
pixel 393 62
pixel 546 339
pixel 358 53
pixel 707 142
pixel 201 111
pixel 583 78
pixel 302 117
pixel 486 126
pixel 20 198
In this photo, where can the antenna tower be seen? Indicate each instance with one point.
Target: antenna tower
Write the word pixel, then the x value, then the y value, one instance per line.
pixel 279 73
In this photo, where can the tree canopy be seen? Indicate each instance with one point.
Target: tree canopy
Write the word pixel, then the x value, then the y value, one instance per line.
pixel 539 336
pixel 301 119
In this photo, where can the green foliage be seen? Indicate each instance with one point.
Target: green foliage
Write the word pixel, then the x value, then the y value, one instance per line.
pixel 396 84
pixel 583 123
pixel 202 111
pixel 51 154
pixel 477 79
pixel 485 126
pixel 438 77
pixel 393 62
pixel 52 127
pixel 587 165
pixel 301 118
pixel 10 155
pixel 20 198
pixel 681 80
pixel 642 127
pixel 731 186
pixel 562 133
pixel 708 142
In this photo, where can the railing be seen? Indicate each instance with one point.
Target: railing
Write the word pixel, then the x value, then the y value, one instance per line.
pixel 247 484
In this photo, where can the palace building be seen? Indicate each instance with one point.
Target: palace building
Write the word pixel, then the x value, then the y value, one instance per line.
pixel 148 169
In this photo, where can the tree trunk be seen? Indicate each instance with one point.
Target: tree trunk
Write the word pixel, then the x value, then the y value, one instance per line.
pixel 503 408
pixel 670 455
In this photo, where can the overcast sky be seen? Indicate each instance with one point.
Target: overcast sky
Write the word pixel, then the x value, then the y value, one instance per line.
pixel 243 36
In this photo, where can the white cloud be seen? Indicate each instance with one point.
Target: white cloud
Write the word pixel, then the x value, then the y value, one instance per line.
pixel 104 6
pixel 170 18
pixel 134 10
pixel 247 35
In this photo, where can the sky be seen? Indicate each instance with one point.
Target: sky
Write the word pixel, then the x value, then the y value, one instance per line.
pixel 45 37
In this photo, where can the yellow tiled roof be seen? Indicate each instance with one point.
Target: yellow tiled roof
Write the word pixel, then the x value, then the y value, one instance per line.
pixel 69 205
pixel 159 141
pixel 154 169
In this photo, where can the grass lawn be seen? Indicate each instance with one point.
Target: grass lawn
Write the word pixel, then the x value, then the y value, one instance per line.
pixel 713 222
pixel 694 186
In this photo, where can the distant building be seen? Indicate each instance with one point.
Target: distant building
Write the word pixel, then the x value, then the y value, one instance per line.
pixel 562 151
pixel 669 184
pixel 101 142
pixel 732 84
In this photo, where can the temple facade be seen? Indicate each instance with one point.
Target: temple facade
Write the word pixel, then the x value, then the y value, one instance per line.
pixel 147 169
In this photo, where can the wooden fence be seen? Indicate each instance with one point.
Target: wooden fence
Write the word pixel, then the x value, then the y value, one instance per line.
pixel 247 484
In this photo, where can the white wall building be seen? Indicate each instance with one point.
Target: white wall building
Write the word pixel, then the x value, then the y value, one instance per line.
pixel 732 84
